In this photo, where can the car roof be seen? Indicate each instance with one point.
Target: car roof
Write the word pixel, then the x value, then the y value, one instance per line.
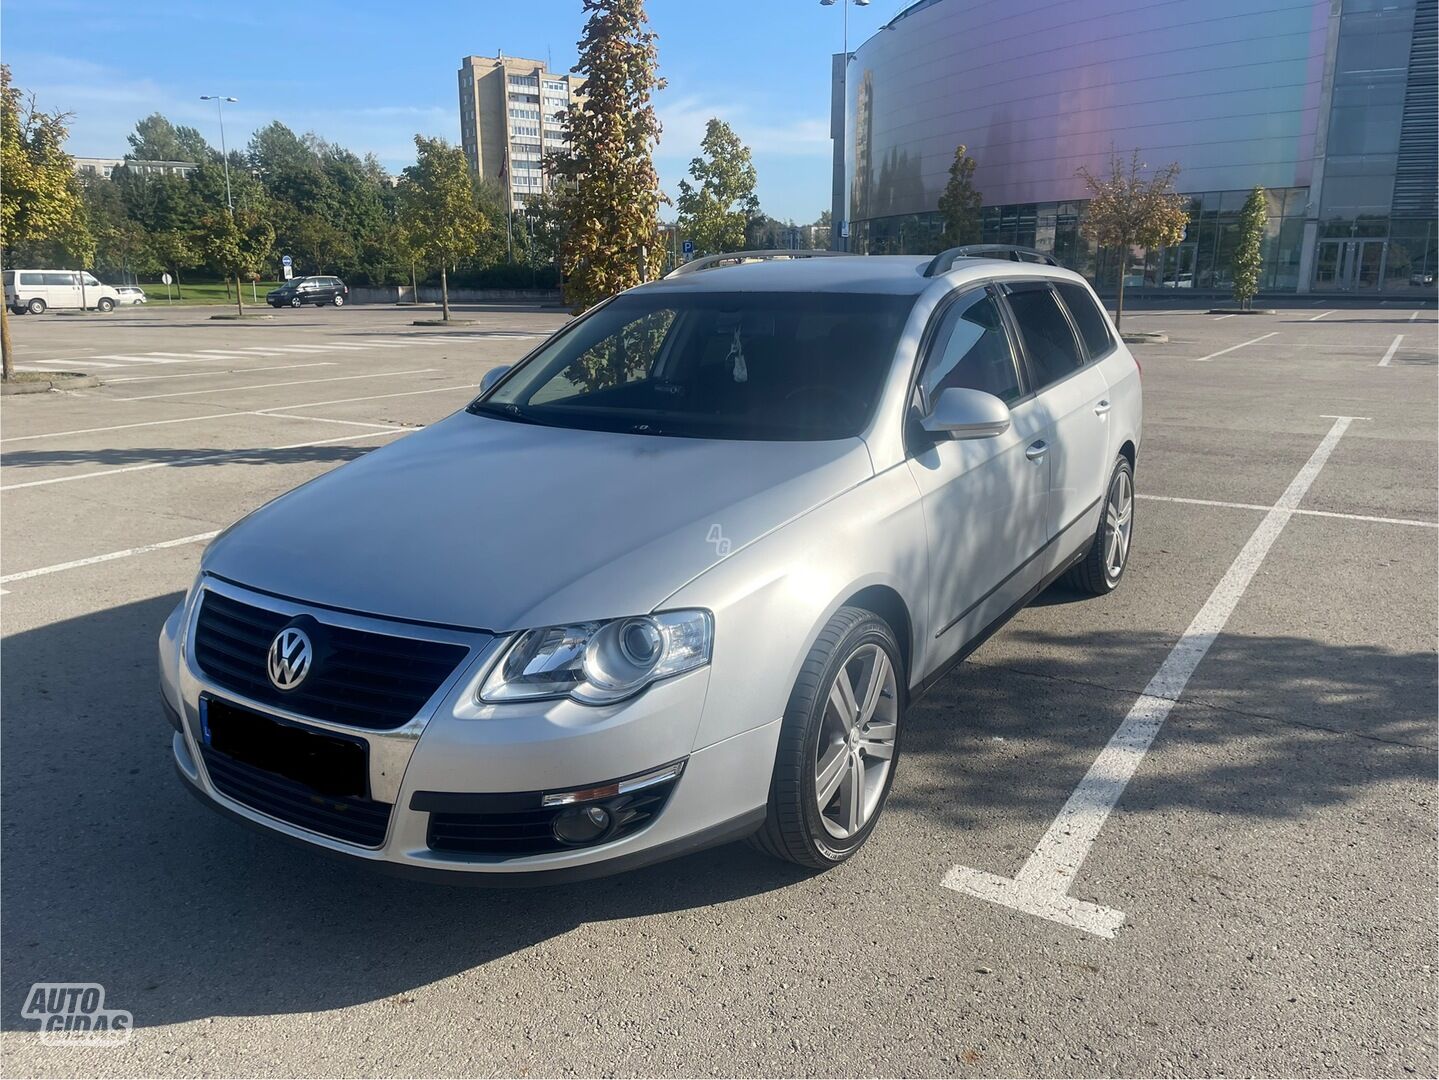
pixel 899 275
pixel 894 275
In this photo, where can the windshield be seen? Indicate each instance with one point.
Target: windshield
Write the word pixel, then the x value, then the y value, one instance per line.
pixel 802 366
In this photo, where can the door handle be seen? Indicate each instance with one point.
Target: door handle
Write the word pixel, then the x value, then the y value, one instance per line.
pixel 1102 407
pixel 1036 450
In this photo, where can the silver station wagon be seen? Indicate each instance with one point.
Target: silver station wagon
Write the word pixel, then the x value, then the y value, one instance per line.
pixel 672 580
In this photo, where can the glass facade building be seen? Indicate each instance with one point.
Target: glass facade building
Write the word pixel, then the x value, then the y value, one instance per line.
pixel 1329 105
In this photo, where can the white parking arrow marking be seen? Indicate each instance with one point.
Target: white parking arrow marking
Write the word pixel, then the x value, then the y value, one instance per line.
pixel 1043 883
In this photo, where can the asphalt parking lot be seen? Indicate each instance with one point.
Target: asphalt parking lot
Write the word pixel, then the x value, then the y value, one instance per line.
pixel 1270 859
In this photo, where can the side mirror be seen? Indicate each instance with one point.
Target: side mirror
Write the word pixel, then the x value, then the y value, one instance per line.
pixel 967 414
pixel 494 375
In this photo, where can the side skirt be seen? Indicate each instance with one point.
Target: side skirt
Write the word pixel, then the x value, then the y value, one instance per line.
pixel 994 627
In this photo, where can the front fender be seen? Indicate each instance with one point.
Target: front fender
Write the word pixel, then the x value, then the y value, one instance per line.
pixel 771 599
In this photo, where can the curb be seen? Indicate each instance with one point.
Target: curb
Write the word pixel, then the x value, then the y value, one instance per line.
pixel 61 380
pixel 442 322
pixel 1241 311
pixel 1144 337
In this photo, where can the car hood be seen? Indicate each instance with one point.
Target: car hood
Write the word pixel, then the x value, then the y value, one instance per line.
pixel 499 525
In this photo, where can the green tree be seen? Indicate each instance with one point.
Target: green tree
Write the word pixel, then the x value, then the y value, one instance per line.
pixel 439 213
pixel 320 246
pixel 1248 257
pixel 1127 209
pixel 714 211
pixel 609 192
pixel 823 230
pixel 237 245
pixel 41 209
pixel 959 204
pixel 156 139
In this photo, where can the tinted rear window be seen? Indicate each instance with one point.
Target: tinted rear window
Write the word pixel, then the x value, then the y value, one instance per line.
pixel 1091 322
pixel 1053 351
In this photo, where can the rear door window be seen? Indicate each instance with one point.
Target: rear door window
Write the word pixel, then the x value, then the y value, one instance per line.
pixel 971 349
pixel 1049 340
pixel 32 279
pixel 1093 327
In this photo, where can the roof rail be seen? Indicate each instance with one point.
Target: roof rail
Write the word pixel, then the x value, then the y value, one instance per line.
pixel 709 262
pixel 945 260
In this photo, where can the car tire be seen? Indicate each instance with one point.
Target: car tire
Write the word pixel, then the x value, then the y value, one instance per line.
pixel 1103 565
pixel 105 305
pixel 339 301
pixel 36 306
pixel 850 754
pixel 296 302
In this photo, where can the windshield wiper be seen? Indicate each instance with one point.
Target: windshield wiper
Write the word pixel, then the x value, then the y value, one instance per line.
pixel 500 412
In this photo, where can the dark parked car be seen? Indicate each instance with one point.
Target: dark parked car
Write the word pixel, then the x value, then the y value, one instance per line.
pixel 309 290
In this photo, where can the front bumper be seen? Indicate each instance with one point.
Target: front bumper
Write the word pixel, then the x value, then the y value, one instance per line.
pixel 457 747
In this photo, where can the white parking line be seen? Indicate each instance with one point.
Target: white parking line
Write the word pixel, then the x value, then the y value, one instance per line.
pixel 1308 513
pixel 195 459
pixel 1316 318
pixel 1221 352
pixel 269 386
pixel 93 559
pixel 60 365
pixel 1221 318
pixel 1413 315
pixel 1393 348
pixel 221 415
pixel 1042 886
pixel 216 371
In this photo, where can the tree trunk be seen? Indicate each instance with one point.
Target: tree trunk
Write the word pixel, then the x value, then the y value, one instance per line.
pixel 239 296
pixel 7 356
pixel 444 292
pixel 1119 304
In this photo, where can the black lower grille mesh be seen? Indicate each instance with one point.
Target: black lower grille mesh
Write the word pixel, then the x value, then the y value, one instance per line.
pixel 367 680
pixel 357 821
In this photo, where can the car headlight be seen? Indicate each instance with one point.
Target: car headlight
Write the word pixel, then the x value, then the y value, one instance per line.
pixel 600 662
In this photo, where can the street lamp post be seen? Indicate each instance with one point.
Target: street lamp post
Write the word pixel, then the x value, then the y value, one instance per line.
pixel 837 226
pixel 857 3
pixel 219 101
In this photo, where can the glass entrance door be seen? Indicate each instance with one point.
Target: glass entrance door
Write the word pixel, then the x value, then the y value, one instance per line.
pixel 1349 265
pixel 1178 272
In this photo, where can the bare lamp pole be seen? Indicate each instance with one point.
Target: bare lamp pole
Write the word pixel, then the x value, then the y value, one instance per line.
pixel 836 226
pixel 857 3
pixel 219 101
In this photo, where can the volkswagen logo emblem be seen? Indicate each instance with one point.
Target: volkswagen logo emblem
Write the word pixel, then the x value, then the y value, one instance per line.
pixel 290 656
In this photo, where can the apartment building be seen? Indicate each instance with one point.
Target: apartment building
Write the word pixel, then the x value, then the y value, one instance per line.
pixel 97 166
pixel 509 111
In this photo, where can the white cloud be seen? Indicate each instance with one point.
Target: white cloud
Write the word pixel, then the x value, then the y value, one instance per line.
pixel 105 104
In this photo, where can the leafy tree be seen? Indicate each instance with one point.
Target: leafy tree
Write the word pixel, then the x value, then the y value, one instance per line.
pixel 156 139
pixel 438 210
pixel 823 230
pixel 1126 209
pixel 609 192
pixel 714 213
pixel 1248 257
pixel 320 246
pixel 237 244
pixel 960 203
pixel 121 243
pixel 41 210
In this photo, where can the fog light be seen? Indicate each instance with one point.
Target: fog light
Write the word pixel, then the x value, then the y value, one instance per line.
pixel 581 825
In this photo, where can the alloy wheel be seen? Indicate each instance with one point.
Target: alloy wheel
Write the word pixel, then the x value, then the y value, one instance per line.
pixel 856 741
pixel 1119 519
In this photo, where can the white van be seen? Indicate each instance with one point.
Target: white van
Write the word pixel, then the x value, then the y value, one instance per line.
pixel 36 290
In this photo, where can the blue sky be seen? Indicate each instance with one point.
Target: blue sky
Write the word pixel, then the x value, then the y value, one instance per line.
pixel 370 75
